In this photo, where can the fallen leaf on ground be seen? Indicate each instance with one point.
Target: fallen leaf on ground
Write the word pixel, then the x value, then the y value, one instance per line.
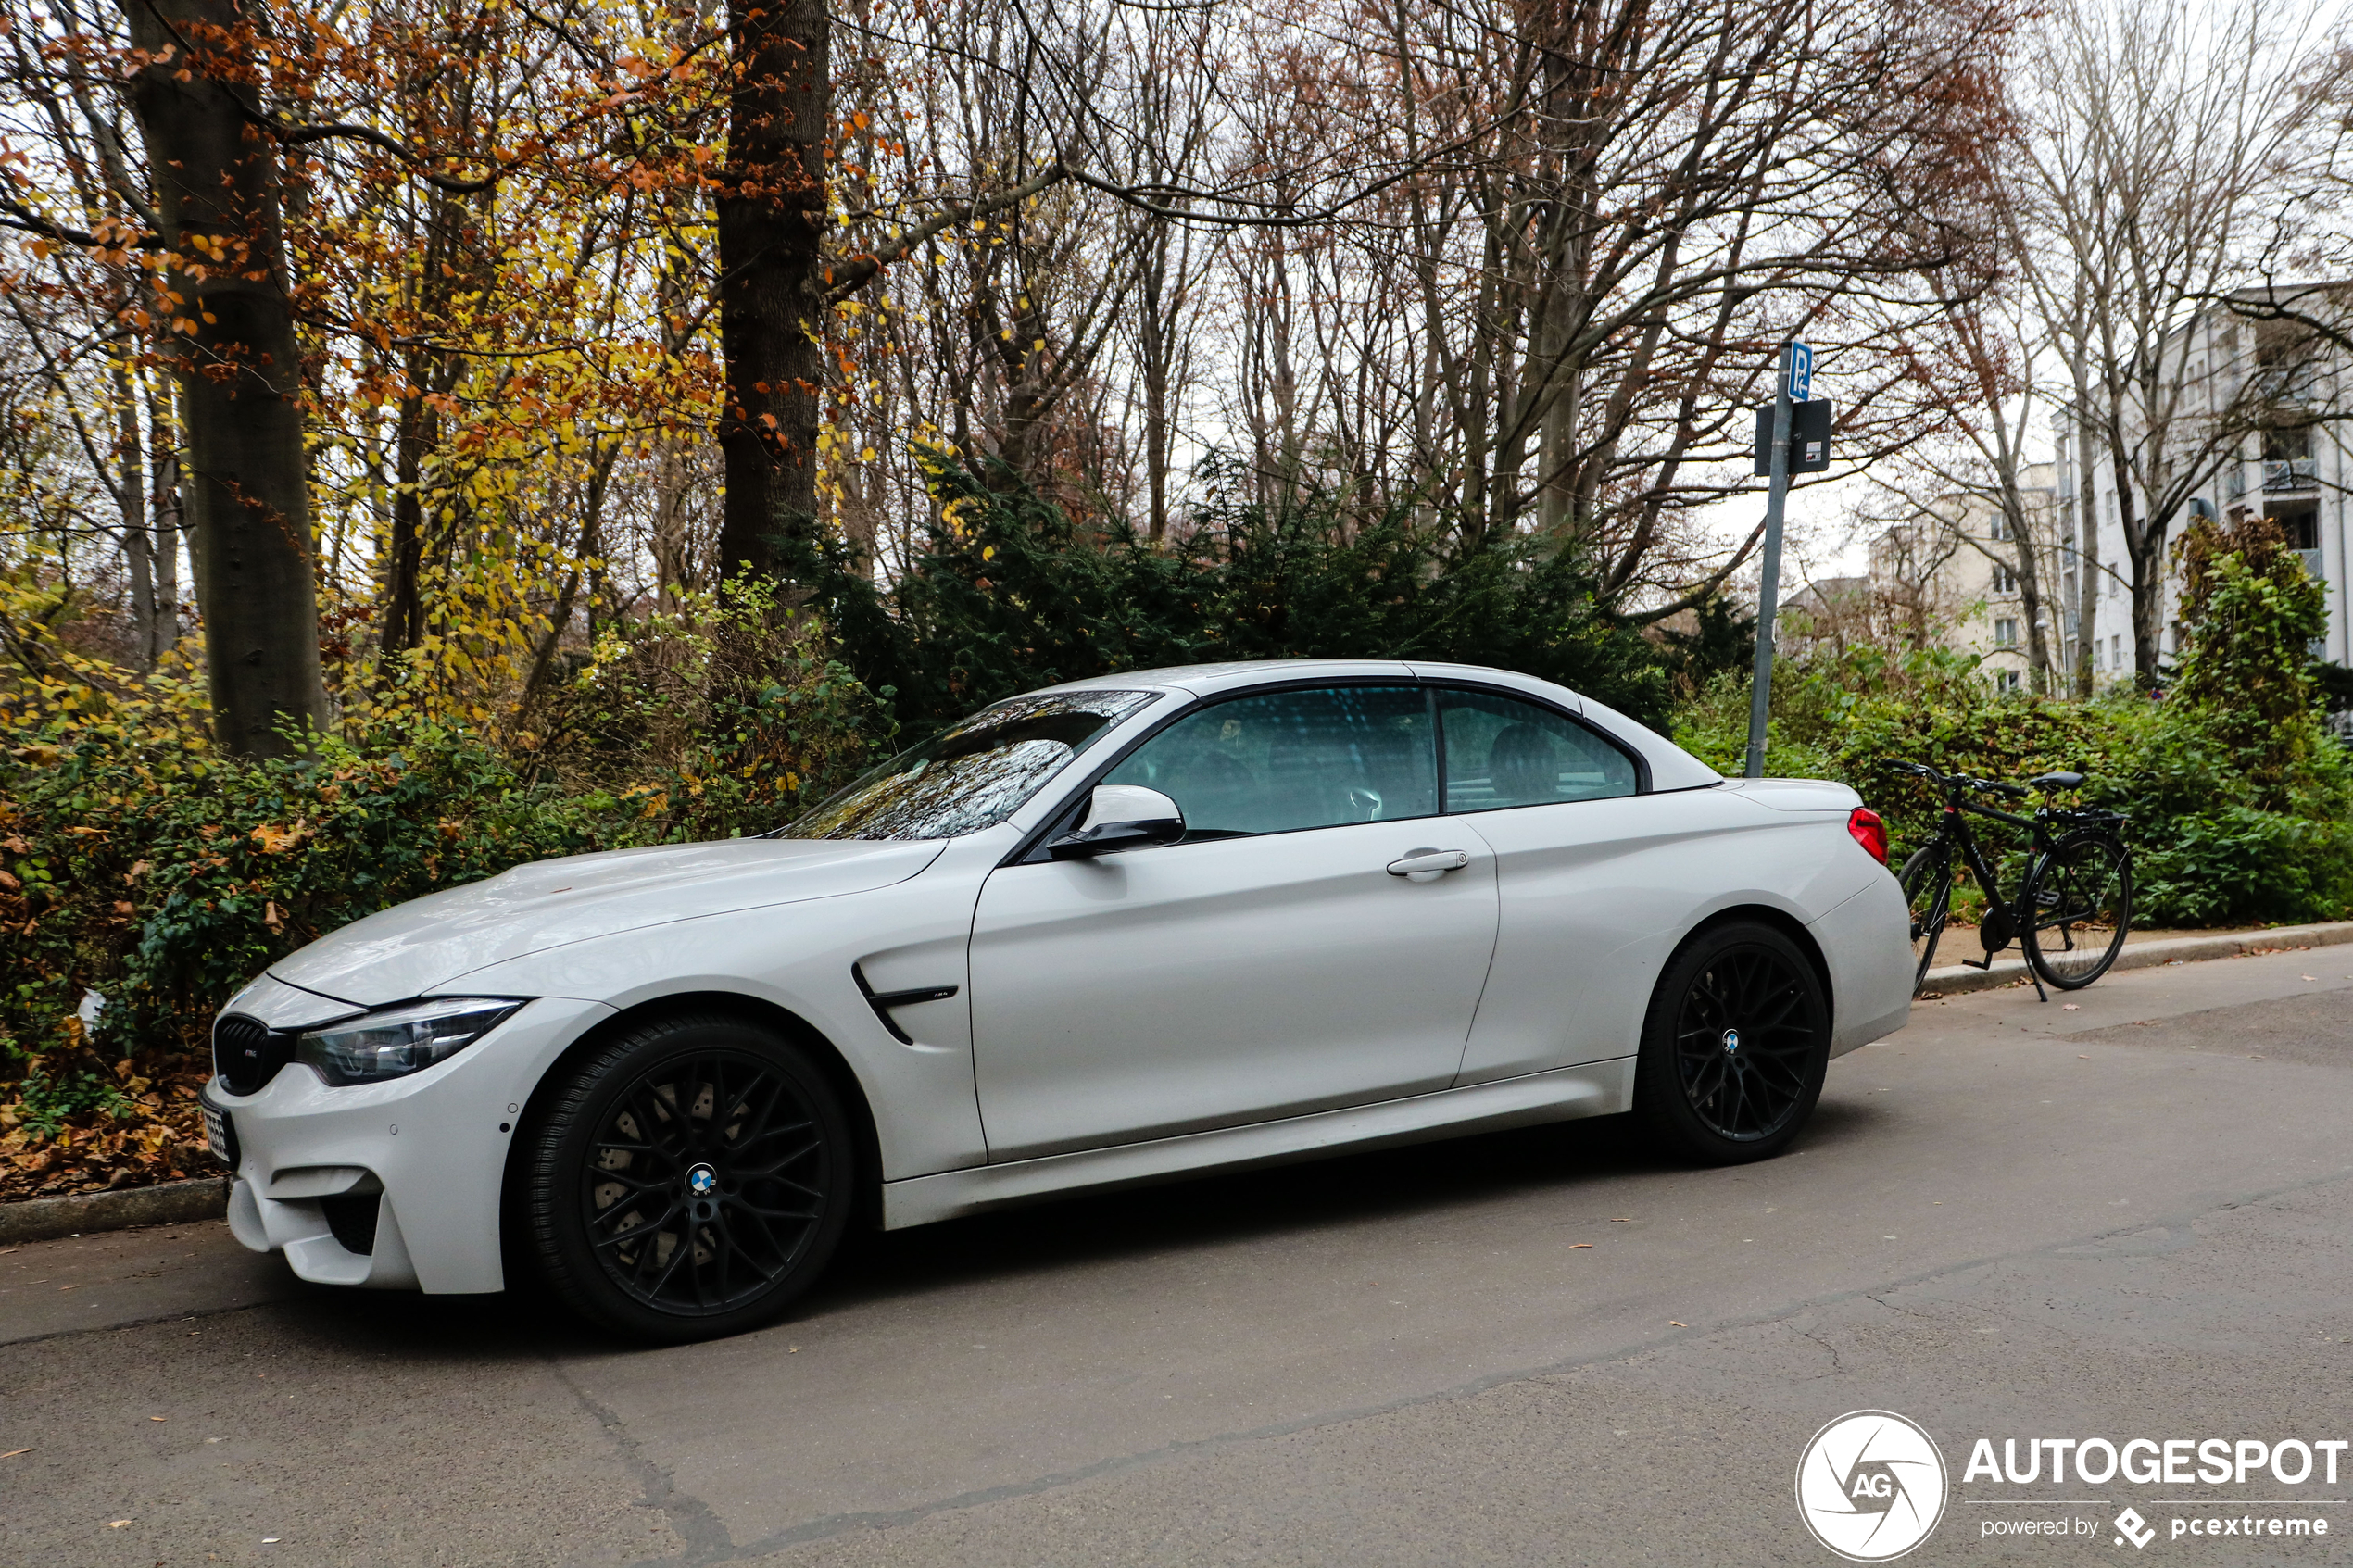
pixel 2070 1007
pixel 13 1452
pixel 155 1418
pixel 1672 1324
pixel 117 1524
pixel 1574 1245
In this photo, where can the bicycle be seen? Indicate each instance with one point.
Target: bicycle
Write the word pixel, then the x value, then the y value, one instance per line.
pixel 2074 905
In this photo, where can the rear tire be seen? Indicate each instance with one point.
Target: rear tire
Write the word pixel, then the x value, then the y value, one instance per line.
pixel 688 1180
pixel 1734 1046
pixel 2081 900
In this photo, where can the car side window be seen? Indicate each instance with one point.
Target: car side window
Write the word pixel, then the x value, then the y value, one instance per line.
pixel 1285 761
pixel 1502 752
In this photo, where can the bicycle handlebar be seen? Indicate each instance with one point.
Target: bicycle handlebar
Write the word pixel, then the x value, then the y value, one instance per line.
pixel 1963 781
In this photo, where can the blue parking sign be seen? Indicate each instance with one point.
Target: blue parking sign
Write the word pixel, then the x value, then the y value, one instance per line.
pixel 1801 372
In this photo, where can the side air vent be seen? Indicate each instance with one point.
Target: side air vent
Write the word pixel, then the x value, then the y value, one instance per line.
pixel 247 1053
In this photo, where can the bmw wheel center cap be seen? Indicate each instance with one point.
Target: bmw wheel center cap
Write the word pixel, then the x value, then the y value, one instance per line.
pixel 701 1180
pixel 1732 1040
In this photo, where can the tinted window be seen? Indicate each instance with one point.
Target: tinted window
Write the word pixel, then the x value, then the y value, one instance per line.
pixel 1502 752
pixel 1294 759
pixel 973 774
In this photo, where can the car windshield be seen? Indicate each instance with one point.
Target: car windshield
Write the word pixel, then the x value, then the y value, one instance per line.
pixel 973 774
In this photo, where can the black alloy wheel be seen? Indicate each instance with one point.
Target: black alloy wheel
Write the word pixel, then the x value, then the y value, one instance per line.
pixel 690 1179
pixel 1734 1046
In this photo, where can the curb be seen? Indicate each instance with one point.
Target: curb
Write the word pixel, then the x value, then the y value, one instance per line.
pixel 1957 980
pixel 170 1203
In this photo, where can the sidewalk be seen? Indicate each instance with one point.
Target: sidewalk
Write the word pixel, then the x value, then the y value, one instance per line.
pixel 2142 949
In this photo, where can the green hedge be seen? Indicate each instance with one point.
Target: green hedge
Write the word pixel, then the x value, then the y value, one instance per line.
pixel 136 863
pixel 2217 840
pixel 1011 593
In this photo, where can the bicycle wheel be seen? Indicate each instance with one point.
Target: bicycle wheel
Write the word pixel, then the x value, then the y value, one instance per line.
pixel 2082 896
pixel 1927 881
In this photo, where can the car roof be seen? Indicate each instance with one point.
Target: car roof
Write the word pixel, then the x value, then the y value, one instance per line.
pixel 1671 766
pixel 1205 678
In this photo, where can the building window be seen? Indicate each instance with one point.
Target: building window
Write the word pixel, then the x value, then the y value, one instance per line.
pixel 2287 460
pixel 2005 633
pixel 1999 529
pixel 2300 520
pixel 2286 443
pixel 2005 679
pixel 2116 651
pixel 2004 579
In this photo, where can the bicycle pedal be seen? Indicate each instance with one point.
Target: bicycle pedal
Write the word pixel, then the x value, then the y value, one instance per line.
pixel 1985 962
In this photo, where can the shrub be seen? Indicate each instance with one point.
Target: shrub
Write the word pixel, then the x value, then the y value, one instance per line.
pixel 137 864
pixel 1009 593
pixel 2251 612
pixel 2215 841
pixel 721 718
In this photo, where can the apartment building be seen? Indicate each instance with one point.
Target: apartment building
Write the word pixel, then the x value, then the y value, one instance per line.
pixel 1949 576
pixel 2287 458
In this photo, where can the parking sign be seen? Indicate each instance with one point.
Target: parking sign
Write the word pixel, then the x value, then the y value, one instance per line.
pixel 1801 372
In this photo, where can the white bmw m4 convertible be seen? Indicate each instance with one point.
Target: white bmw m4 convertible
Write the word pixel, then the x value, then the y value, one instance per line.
pixel 1109 932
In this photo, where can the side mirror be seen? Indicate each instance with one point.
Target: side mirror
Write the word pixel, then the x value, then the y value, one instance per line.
pixel 1121 817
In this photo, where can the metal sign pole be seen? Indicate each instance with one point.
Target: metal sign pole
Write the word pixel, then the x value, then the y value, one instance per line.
pixel 1797 364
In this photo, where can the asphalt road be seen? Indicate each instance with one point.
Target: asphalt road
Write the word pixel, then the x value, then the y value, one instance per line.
pixel 2127 1220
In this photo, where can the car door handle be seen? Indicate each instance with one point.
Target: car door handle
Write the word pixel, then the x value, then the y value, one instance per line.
pixel 1418 861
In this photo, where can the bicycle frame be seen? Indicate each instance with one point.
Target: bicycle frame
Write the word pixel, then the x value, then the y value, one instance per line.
pixel 2003 916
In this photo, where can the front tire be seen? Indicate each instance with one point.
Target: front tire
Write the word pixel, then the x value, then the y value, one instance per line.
pixel 1734 1046
pixel 688 1180
pixel 1927 881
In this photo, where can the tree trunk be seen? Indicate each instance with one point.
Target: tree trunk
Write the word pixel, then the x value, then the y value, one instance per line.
pixel 2138 556
pixel 130 504
pixel 772 217
pixel 2087 562
pixel 404 612
pixel 2148 601
pixel 1156 346
pixel 163 491
pixel 217 195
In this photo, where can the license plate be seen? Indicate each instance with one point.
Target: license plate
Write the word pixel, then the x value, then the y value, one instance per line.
pixel 216 1134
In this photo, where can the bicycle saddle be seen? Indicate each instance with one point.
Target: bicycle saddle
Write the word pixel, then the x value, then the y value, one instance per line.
pixel 2055 781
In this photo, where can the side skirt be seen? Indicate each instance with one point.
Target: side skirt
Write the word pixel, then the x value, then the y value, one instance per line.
pixel 1599 1089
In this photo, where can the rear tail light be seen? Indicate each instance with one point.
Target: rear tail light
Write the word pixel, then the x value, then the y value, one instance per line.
pixel 1868 831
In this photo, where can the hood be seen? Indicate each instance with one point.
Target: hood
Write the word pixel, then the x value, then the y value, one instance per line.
pixel 419 947
pixel 1796 795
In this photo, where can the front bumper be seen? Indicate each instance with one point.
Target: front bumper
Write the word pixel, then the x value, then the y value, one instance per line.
pixel 430 1148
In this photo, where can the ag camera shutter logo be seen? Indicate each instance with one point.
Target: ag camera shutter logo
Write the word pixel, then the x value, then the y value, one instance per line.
pixel 1871 1485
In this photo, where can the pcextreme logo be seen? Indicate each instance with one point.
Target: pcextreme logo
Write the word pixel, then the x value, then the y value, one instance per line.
pixel 1870 1485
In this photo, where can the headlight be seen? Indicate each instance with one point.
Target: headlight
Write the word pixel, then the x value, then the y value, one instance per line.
pixel 401 1040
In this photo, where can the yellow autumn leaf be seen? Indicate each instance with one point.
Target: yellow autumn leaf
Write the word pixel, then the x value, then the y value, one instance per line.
pixel 276 840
